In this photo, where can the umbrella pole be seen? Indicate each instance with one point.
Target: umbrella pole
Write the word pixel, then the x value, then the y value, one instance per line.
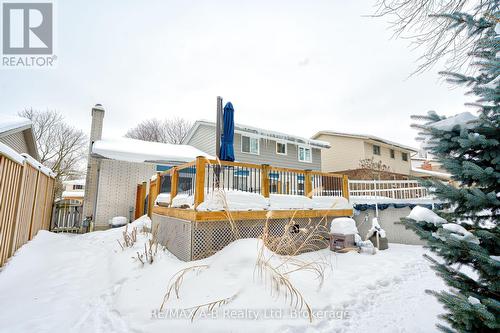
pixel 218 134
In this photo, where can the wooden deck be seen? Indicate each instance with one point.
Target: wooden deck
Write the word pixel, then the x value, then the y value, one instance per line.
pixel 203 216
pixel 204 176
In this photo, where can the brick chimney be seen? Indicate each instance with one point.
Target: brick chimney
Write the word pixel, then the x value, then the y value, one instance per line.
pixel 93 164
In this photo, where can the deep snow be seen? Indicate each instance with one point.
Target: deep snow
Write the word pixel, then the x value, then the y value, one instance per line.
pixel 87 283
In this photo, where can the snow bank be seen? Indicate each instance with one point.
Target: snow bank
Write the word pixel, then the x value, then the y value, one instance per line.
pixel 329 202
pixel 240 200
pixel 286 201
pixel 162 198
pixel 8 123
pixel 118 221
pixel 131 150
pixel 183 200
pixel 424 214
pixel 233 200
pixel 343 226
pixel 49 287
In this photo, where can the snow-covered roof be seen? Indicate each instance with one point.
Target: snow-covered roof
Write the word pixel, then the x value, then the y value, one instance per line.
pixel 74 182
pixel 366 137
pixel 9 123
pixel 132 150
pixel 263 133
pixel 442 175
pixel 73 194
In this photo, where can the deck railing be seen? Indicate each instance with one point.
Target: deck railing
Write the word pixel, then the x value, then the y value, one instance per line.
pixel 394 189
pixel 203 176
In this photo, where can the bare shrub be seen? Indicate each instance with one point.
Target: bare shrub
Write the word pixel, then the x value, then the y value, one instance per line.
pixel 129 238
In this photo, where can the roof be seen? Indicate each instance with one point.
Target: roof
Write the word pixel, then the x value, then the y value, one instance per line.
pixel 11 123
pixel 73 194
pixel 74 182
pixel 263 133
pixel 14 124
pixel 441 175
pixel 132 150
pixel 366 137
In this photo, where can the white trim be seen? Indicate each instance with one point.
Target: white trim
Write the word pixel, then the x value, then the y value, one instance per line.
pixel 249 144
pixel 298 153
pixel 286 148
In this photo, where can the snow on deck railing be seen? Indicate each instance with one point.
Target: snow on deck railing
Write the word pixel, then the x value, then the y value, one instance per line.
pixel 200 177
pixel 395 189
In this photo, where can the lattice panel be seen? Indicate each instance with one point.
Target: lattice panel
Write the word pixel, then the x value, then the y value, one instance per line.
pixel 210 237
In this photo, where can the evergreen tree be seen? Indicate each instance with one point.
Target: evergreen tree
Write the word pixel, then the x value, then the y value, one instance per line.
pixel 468 244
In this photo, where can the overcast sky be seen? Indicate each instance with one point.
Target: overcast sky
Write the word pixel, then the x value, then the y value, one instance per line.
pixel 291 66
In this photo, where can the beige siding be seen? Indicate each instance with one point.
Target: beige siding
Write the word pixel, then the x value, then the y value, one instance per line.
pixel 16 141
pixel 204 139
pixel 117 188
pixel 396 164
pixel 344 154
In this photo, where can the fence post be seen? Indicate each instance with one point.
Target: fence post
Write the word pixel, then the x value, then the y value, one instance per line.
pixel 199 190
pixel 308 191
pixel 143 196
pixel 174 180
pixel 264 181
pixel 345 187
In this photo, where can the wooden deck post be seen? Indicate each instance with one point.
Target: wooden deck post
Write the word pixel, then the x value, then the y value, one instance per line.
pixel 174 177
pixel 264 181
pixel 308 191
pixel 199 190
pixel 345 186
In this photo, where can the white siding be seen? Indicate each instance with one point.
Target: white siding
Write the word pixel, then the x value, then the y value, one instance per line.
pixel 117 188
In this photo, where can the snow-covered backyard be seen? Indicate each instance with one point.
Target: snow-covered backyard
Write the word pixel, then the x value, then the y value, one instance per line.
pixel 88 283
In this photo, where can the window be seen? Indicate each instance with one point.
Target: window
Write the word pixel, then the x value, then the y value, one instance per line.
pixel 392 153
pixel 404 156
pixel 249 145
pixel 77 187
pixel 376 150
pixel 281 148
pixel 305 154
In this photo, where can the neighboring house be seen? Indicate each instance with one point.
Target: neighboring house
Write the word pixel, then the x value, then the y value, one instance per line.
pixel 347 151
pixel 17 133
pixel 73 189
pixel 260 146
pixel 425 165
pixel 115 168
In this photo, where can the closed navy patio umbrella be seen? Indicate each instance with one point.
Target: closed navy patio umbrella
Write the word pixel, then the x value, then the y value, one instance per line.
pixel 226 148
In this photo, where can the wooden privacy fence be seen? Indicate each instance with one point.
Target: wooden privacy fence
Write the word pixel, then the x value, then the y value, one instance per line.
pixel 203 176
pixel 26 197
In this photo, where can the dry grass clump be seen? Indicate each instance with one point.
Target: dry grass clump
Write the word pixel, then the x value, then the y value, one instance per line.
pixel 276 261
pixel 150 248
pixel 129 238
pixel 275 267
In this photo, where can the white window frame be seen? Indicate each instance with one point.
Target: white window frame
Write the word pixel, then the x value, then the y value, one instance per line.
pixel 250 144
pixel 286 148
pixel 298 154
